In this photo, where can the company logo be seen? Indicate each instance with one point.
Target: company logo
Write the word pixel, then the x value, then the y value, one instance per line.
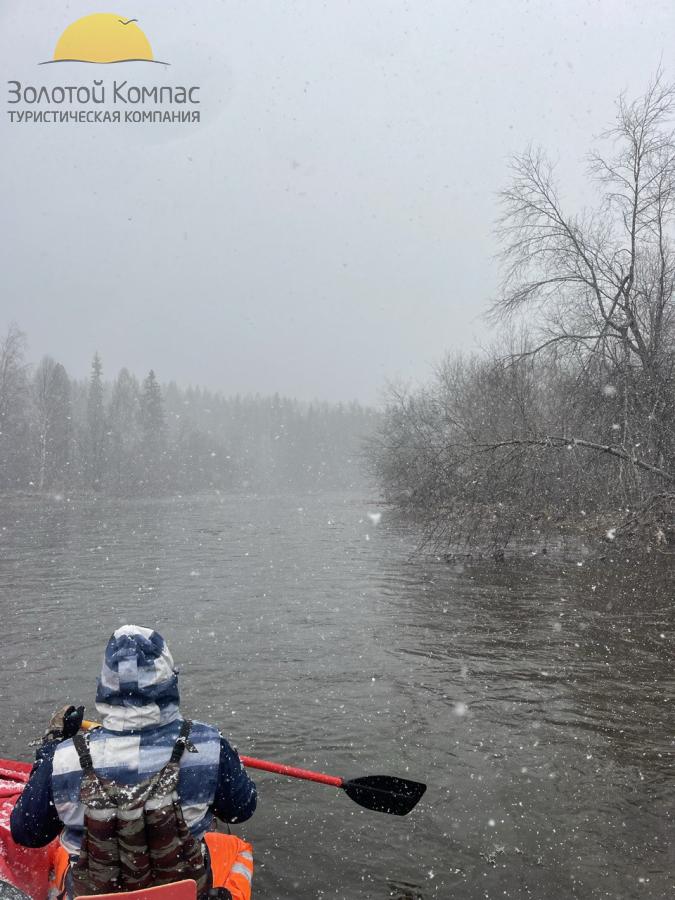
pixel 103 38
pixel 111 97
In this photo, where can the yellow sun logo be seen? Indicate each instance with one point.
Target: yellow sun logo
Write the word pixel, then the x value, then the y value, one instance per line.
pixel 103 38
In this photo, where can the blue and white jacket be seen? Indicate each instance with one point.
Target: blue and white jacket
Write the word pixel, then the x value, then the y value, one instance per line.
pixel 137 699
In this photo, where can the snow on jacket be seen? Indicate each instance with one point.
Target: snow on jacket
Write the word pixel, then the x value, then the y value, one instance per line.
pixel 138 701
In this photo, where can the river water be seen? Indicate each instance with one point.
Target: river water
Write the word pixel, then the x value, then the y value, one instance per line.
pixel 534 697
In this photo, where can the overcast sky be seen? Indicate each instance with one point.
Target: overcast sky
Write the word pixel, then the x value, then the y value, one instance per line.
pixel 328 225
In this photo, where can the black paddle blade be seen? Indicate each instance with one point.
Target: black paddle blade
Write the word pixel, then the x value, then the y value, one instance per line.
pixel 384 793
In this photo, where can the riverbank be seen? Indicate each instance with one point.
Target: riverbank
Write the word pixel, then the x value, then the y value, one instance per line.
pixel 483 533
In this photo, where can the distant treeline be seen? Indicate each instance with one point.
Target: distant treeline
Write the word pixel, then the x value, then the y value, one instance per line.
pixel 129 436
pixel 569 422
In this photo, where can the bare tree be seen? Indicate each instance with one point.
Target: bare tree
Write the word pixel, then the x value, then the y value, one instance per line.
pixel 95 436
pixel 602 283
pixel 51 402
pixel 575 413
pixel 13 422
pixel 12 369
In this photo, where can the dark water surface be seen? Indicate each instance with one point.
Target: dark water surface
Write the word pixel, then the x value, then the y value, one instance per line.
pixel 535 698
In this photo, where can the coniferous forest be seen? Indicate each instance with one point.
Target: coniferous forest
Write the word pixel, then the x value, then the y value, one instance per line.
pixel 133 435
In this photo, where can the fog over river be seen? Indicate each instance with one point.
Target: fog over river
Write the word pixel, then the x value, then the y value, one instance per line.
pixel 532 696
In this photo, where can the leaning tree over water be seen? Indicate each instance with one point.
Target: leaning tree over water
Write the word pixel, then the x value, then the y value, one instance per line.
pixel 577 413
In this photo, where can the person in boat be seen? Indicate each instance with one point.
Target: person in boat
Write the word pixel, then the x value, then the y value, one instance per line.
pixel 148 766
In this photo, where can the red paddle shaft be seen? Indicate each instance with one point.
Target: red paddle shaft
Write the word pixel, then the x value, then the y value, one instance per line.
pixel 292 771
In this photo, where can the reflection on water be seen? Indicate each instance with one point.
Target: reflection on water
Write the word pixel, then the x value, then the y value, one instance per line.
pixel 532 697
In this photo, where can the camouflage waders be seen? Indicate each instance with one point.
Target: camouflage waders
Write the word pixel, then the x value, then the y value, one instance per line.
pixel 135 836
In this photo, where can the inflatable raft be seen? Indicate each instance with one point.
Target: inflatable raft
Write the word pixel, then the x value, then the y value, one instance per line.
pixel 35 873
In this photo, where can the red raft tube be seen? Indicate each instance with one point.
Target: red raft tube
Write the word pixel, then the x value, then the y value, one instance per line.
pixel 27 870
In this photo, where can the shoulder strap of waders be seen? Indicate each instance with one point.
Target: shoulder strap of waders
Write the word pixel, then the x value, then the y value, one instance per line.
pixel 82 747
pixel 183 742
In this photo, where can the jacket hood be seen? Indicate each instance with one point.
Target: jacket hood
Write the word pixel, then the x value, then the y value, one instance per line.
pixel 138 687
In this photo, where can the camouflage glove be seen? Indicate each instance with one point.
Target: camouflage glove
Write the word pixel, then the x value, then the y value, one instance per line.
pixel 64 723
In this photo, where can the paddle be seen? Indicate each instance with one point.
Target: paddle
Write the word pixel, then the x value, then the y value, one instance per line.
pixel 381 793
